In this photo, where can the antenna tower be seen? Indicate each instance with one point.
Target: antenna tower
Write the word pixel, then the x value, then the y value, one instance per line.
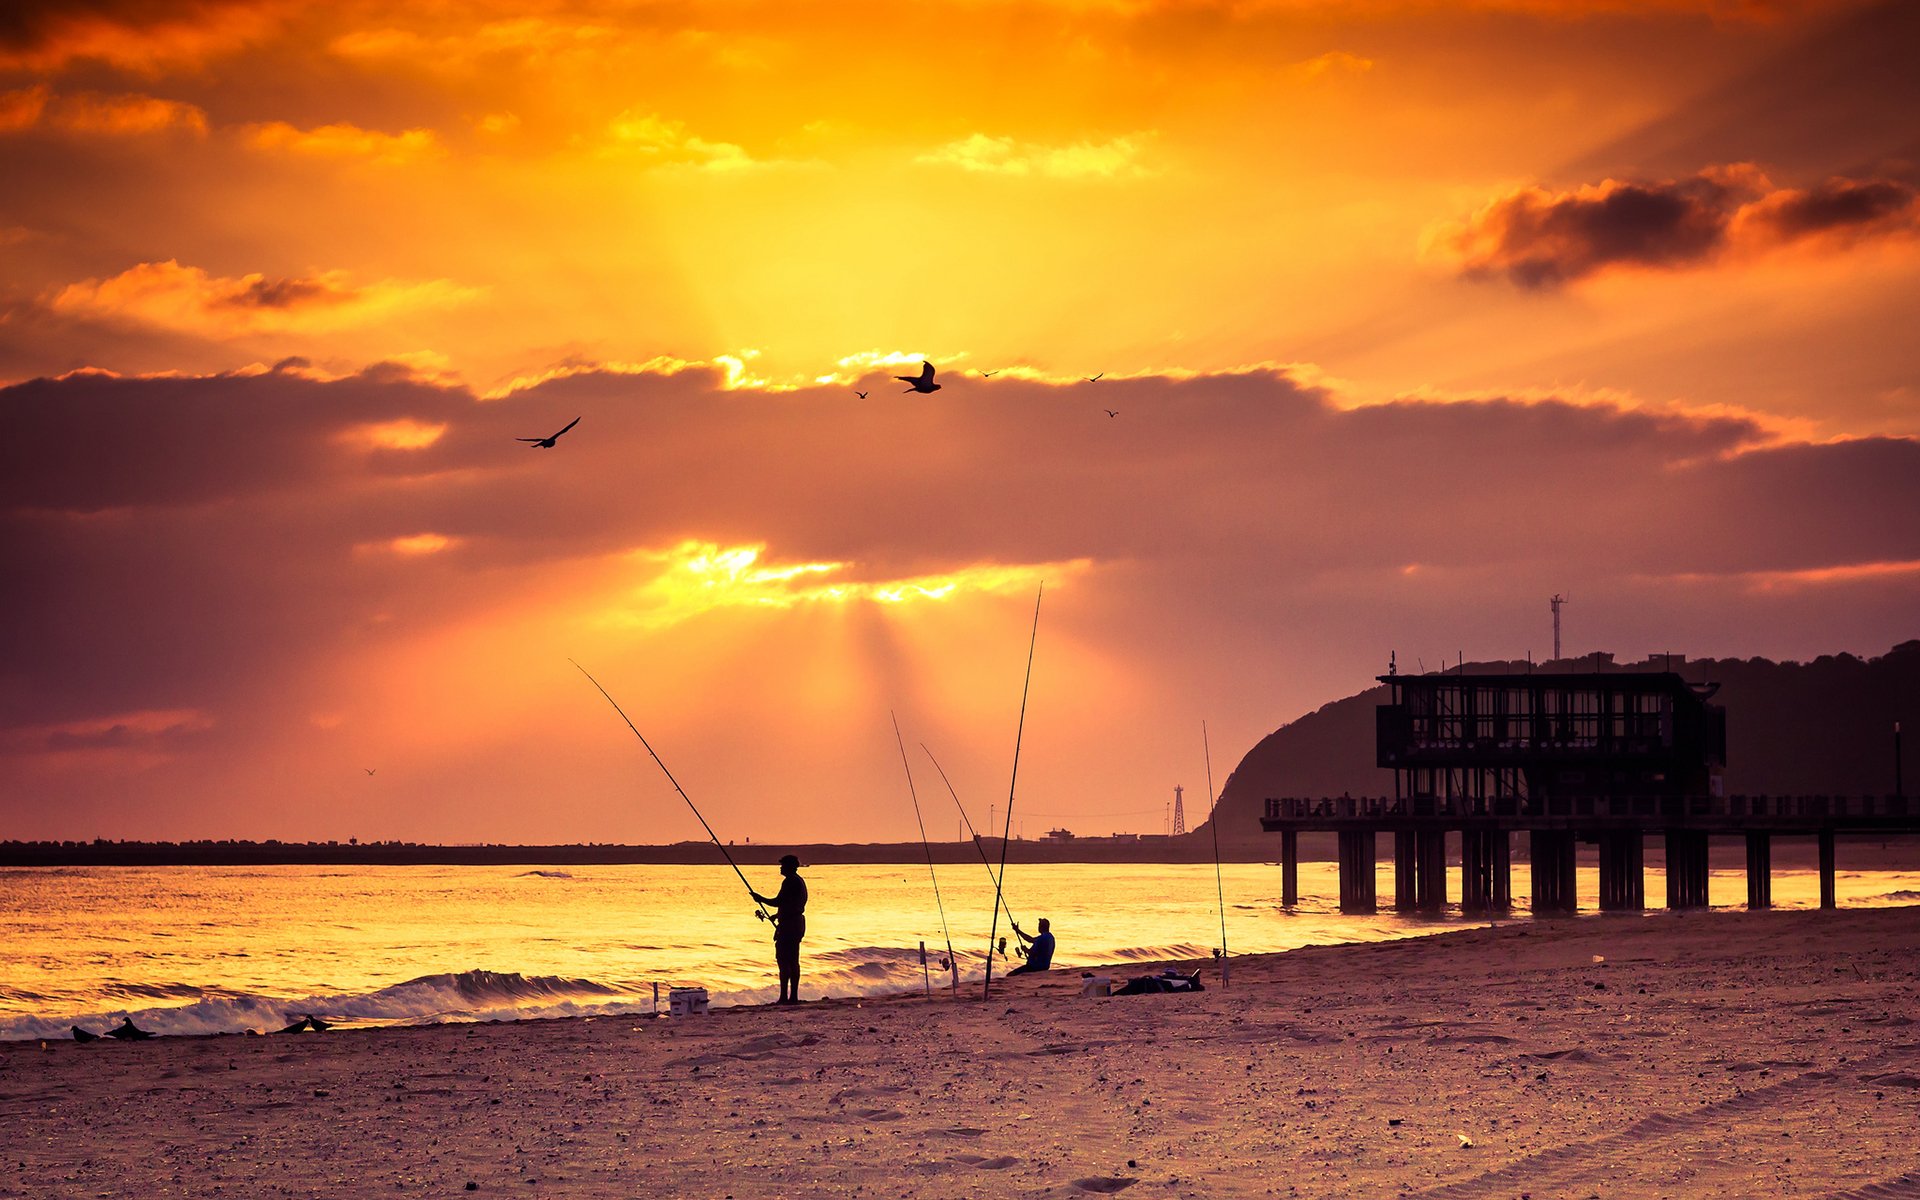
pixel 1179 812
pixel 1557 601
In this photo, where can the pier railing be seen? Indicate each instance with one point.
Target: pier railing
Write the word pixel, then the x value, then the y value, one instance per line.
pixel 1731 808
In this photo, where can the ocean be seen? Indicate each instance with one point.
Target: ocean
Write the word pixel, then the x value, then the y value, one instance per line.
pixel 201 950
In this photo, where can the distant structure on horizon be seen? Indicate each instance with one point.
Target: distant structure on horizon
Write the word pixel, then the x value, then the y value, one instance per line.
pixel 1179 812
pixel 1601 756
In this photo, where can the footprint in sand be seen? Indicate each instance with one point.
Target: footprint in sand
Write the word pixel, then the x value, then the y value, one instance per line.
pixel 980 1163
pixel 964 1131
pixel 1105 1185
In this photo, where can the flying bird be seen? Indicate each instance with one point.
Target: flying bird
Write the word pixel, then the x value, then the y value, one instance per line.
pixel 1110 412
pixel 369 770
pixel 1095 378
pixel 989 374
pixel 546 443
pixel 923 382
pixel 860 394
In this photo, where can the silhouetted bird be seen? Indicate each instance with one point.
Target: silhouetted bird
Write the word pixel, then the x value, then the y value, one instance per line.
pixel 369 770
pixel 299 1026
pixel 546 443
pixel 317 1025
pixel 81 1035
pixel 1110 412
pixel 128 1032
pixel 1095 378
pixel 989 374
pixel 923 382
pixel 860 394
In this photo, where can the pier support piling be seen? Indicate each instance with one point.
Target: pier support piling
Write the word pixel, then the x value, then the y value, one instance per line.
pixel 1552 851
pixel 1356 871
pixel 1759 870
pixel 1289 868
pixel 1686 868
pixel 1827 898
pixel 1485 871
pixel 1623 880
pixel 1430 870
pixel 1406 869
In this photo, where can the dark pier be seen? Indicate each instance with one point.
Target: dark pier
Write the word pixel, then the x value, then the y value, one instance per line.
pixel 1604 759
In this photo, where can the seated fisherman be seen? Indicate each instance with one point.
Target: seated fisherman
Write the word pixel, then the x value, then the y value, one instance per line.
pixel 1039 949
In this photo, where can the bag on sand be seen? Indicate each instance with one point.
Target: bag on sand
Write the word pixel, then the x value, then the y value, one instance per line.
pixel 1169 980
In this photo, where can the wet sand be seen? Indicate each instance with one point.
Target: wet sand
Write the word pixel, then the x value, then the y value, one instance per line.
pixel 1721 1054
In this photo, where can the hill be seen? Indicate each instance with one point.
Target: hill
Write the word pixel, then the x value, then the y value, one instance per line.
pixel 1820 727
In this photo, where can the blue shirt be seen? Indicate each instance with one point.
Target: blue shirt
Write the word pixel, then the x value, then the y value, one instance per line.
pixel 1040 954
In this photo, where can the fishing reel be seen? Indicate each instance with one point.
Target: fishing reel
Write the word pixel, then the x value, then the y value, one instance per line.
pixel 1218 953
pixel 1003 947
pixel 946 964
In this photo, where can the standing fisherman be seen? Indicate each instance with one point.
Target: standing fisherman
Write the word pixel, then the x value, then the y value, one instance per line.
pixel 789 926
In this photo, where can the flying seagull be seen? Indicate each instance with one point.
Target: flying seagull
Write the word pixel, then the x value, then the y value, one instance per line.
pixel 989 374
pixel 546 443
pixel 369 770
pixel 1095 378
pixel 923 382
pixel 860 394
pixel 1110 412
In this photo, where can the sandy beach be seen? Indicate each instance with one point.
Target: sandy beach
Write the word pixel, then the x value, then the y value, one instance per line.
pixel 1721 1054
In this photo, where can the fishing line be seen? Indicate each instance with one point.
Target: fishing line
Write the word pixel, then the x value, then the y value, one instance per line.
pixel 760 908
pixel 953 964
pixel 980 849
pixel 1019 732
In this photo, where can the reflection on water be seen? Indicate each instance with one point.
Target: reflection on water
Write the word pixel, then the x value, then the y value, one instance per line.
pixel 204 950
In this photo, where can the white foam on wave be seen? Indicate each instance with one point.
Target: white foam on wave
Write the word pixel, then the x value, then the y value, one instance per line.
pixel 464 996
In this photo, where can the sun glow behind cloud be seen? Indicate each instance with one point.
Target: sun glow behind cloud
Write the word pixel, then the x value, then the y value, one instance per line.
pixel 696 577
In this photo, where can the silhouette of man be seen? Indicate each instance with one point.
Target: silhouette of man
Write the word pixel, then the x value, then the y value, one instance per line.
pixel 789 926
pixel 1039 949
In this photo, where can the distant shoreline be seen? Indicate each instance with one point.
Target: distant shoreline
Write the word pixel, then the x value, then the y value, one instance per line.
pixel 1862 853
pixel 1186 849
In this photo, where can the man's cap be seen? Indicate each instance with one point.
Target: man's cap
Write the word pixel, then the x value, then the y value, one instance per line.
pixel 790 860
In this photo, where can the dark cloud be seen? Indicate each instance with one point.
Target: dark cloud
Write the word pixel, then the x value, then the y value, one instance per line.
pixel 48 34
pixel 1843 207
pixel 286 293
pixel 1542 239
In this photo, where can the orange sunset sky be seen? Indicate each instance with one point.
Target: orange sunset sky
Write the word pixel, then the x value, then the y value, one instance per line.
pixel 1412 313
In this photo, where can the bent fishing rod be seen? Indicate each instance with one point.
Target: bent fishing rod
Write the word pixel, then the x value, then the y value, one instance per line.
pixel 760 910
pixel 1213 823
pixel 980 849
pixel 953 964
pixel 1019 732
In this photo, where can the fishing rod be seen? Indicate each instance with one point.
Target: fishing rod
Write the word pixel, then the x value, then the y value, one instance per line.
pixel 978 848
pixel 953 964
pixel 760 910
pixel 1018 733
pixel 1213 822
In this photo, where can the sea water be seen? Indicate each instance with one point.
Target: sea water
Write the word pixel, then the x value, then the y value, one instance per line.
pixel 218 950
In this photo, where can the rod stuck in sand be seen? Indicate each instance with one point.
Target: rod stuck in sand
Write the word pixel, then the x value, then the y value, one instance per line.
pixel 1019 732
pixel 760 910
pixel 1213 823
pixel 953 964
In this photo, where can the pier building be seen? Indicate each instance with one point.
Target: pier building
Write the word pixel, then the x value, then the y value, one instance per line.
pixel 1606 758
